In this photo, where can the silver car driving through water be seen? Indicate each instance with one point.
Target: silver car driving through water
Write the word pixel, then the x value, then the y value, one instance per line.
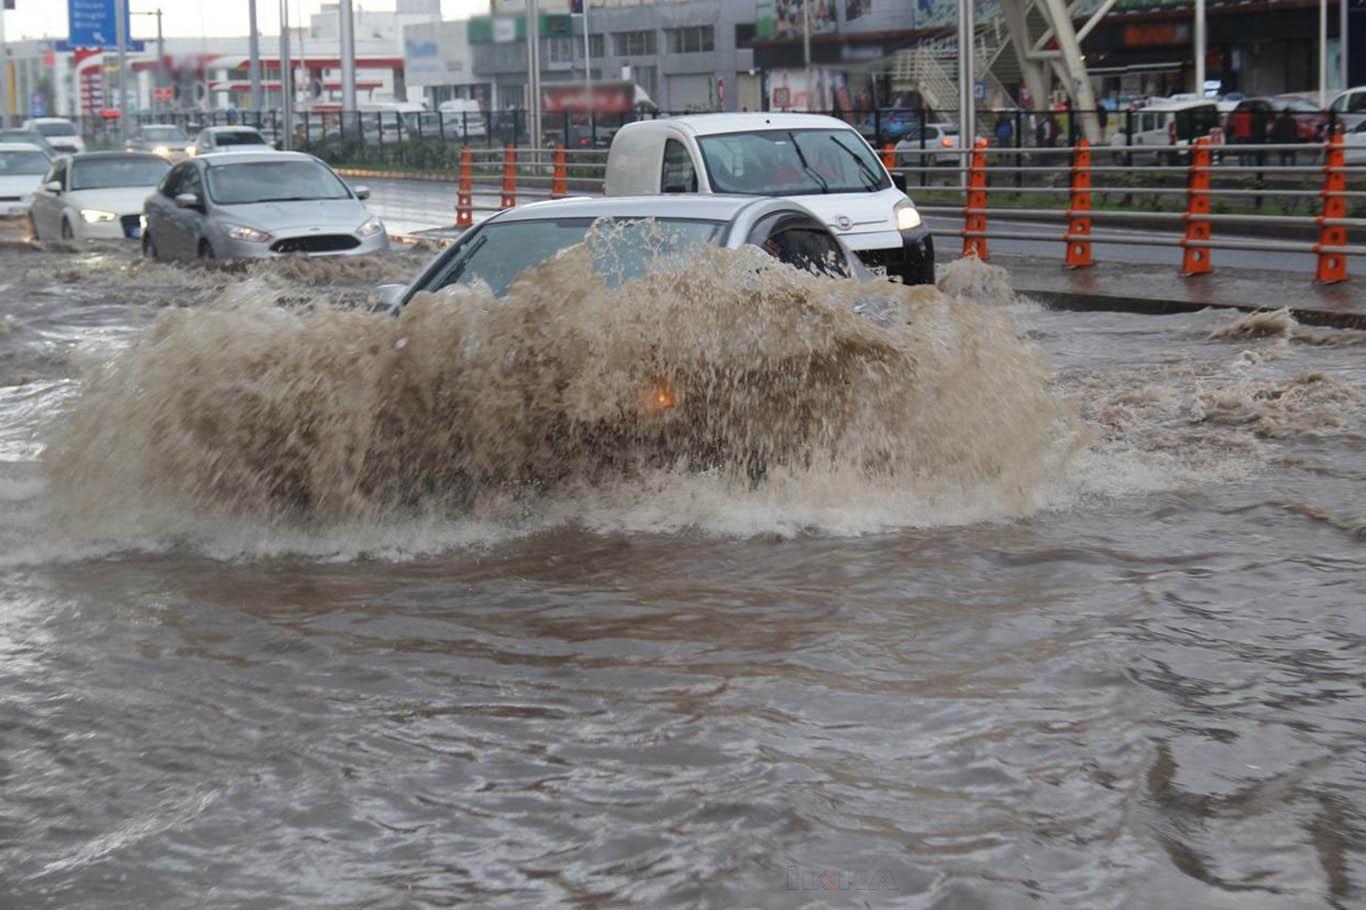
pixel 246 205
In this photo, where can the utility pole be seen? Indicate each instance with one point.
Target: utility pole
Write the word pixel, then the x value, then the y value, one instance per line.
pixel 121 31
pixel 161 57
pixel 533 41
pixel 1323 53
pixel 806 49
pixel 1342 43
pixel 967 77
pixel 254 66
pixel 286 77
pixel 348 55
pixel 588 67
pixel 6 109
pixel 1200 48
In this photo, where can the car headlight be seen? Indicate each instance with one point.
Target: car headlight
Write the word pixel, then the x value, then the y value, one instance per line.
pixel 161 150
pixel 95 216
pixel 907 218
pixel 370 228
pixel 250 234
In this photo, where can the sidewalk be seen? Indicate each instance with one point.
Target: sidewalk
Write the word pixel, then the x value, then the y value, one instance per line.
pixel 1159 289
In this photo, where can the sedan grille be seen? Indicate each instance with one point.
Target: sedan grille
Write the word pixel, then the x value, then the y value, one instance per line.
pixel 316 243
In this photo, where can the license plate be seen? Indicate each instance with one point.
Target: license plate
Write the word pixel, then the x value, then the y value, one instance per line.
pixel 134 232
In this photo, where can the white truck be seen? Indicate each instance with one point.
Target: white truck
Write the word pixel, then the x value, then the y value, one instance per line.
pixel 820 162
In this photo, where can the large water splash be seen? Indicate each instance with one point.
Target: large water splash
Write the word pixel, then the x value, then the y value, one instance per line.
pixel 727 373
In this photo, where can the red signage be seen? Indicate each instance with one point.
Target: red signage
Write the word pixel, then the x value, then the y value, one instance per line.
pixel 163 94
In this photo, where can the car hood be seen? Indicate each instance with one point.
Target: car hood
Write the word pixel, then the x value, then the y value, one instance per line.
pixel 866 212
pixel 123 200
pixel 332 214
pixel 20 184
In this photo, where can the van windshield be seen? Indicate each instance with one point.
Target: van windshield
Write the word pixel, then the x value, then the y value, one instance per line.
pixel 791 163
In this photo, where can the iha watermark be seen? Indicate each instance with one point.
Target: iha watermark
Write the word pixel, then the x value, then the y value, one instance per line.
pixel 800 878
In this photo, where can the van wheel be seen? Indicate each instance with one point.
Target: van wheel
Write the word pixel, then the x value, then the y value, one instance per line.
pixel 205 250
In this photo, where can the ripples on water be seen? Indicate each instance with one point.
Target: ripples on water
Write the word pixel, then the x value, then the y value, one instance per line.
pixel 1147 692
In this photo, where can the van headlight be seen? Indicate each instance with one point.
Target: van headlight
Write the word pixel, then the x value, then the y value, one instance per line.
pixel 249 234
pixel 370 228
pixel 96 216
pixel 907 218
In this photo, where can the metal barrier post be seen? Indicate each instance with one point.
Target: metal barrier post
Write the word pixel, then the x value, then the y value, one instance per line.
pixel 464 204
pixel 509 178
pixel 1195 260
pixel 1079 212
pixel 1332 267
pixel 558 184
pixel 975 224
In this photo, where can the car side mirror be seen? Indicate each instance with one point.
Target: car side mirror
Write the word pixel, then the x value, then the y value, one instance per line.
pixel 899 181
pixel 387 298
pixel 53 186
pixel 362 192
pixel 187 201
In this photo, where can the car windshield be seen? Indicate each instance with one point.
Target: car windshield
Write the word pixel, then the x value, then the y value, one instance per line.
pixel 163 134
pixel 791 163
pixel 500 252
pixel 239 137
pixel 273 181
pixel 108 173
pixel 59 128
pixel 15 164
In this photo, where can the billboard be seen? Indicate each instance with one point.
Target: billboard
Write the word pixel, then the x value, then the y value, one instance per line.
pixel 785 19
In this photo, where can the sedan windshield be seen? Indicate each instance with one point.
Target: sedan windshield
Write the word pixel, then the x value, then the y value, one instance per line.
pixel 57 128
pixel 239 137
pixel 15 164
pixel 791 163
pixel 500 252
pixel 163 134
pixel 273 181
pixel 108 173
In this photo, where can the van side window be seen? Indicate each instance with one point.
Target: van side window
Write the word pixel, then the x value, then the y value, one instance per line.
pixel 679 175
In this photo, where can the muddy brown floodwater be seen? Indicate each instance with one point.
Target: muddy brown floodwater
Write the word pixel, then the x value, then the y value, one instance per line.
pixel 990 606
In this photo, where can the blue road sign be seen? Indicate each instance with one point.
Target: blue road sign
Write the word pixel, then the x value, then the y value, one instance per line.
pixel 66 47
pixel 92 23
pixel 37 104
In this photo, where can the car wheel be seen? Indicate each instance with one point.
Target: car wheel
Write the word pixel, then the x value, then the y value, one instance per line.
pixel 67 233
pixel 33 229
pixel 149 247
pixel 205 250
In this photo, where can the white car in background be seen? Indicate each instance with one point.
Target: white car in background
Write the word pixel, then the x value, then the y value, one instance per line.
pixel 1355 142
pixel 1349 107
pixel 229 139
pixel 22 167
pixel 60 133
pixel 95 196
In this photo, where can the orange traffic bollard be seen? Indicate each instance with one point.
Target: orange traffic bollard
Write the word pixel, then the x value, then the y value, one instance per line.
pixel 509 178
pixel 1079 212
pixel 975 225
pixel 888 156
pixel 559 186
pixel 464 206
pixel 1332 267
pixel 1195 260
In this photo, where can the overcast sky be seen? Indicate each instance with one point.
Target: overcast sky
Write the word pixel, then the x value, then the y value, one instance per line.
pixel 192 18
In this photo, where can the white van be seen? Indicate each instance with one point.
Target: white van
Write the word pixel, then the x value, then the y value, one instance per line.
pixel 821 162
pixel 463 118
pixel 1169 124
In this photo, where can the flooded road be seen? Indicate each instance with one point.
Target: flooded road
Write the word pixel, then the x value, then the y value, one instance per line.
pixel 1136 683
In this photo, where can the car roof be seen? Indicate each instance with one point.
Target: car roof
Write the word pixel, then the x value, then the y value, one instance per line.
pixel 19 147
pixel 712 124
pixel 92 156
pixel 221 158
pixel 50 120
pixel 703 207
pixel 231 129
pixel 1162 106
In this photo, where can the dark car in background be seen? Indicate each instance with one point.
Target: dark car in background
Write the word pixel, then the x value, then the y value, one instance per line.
pixel 164 139
pixel 891 124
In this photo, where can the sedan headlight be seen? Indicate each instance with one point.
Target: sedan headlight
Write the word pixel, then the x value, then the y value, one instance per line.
pixel 95 216
pixel 907 218
pixel 370 228
pixel 249 234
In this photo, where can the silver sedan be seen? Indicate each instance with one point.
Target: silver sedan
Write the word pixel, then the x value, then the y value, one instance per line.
pixel 247 205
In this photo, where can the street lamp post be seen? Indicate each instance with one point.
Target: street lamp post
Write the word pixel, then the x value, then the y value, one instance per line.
pixel 121 32
pixel 254 66
pixel 347 34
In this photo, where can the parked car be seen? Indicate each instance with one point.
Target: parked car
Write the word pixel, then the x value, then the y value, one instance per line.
pixel 930 146
pixel 229 139
pixel 1349 107
pixel 22 168
pixel 164 139
pixel 94 195
pixel 1168 125
pixel 59 131
pixel 463 118
pixel 1355 142
pixel 889 124
pixel 29 137
pixel 245 205
pixel 819 160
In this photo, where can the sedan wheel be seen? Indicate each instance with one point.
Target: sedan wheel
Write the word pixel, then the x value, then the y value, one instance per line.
pixel 67 233
pixel 205 250
pixel 33 229
pixel 149 247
